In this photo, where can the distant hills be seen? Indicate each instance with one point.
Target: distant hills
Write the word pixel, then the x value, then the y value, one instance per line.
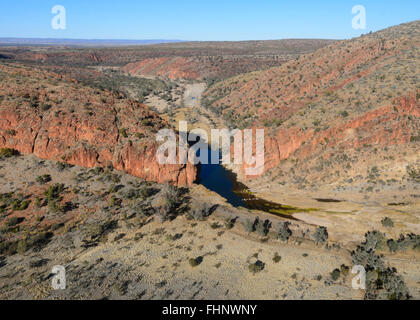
pixel 80 42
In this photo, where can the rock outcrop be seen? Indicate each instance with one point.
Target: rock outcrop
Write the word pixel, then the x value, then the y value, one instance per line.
pixel 56 118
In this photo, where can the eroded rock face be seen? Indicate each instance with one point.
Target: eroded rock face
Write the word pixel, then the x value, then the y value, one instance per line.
pixel 173 68
pixel 58 119
pixel 386 126
pixel 199 68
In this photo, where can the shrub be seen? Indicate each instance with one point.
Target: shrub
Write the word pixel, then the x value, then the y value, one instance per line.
pixel 284 232
pixel 98 231
pixel 20 204
pixel 256 267
pixel 414 173
pixel 366 258
pixel 171 195
pixel 381 282
pixel 249 226
pixel 13 222
pixel 335 275
pixel 262 227
pixel 123 133
pixel 8 153
pixel 45 107
pixel 276 258
pixel 344 114
pixel 229 223
pixel 201 212
pixel 410 241
pixel 344 269
pixel 43 179
pixel 194 262
pixel 54 198
pixel 34 241
pixel 374 240
pixel 385 284
pixel 321 235
pixel 393 245
pixel 387 222
pixel 61 166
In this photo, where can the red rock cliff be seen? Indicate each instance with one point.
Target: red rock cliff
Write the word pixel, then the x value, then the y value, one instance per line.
pixel 56 119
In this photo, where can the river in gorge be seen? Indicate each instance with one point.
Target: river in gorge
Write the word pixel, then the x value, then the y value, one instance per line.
pixel 217 178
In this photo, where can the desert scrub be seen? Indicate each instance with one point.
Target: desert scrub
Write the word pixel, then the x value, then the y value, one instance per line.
pixel 382 282
pixel 13 222
pixel 276 258
pixel 374 240
pixel 20 205
pixel 414 173
pixel 407 242
pixel 320 235
pixel 248 226
pixel 256 267
pixel 262 227
pixel 54 191
pixel 53 194
pixel 98 231
pixel 35 241
pixel 8 153
pixel 387 222
pixel 215 225
pixel 61 166
pixel 284 232
pixel 201 212
pixel 43 179
pixel 194 262
pixel 124 133
pixel 335 275
pixel 229 223
pixel 344 270
pixel 6 198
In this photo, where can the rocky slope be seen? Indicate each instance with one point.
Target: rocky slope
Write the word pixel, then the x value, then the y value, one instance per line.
pixel 105 227
pixel 56 118
pixel 200 68
pixel 345 114
pixel 190 60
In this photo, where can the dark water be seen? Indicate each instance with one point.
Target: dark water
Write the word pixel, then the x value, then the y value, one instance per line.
pixel 216 178
pixel 220 180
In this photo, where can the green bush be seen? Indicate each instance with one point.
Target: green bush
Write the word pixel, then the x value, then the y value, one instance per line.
pixel 276 258
pixel 8 153
pixel 335 275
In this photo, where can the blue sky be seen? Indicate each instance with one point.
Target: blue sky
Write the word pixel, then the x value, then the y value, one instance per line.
pixel 201 20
